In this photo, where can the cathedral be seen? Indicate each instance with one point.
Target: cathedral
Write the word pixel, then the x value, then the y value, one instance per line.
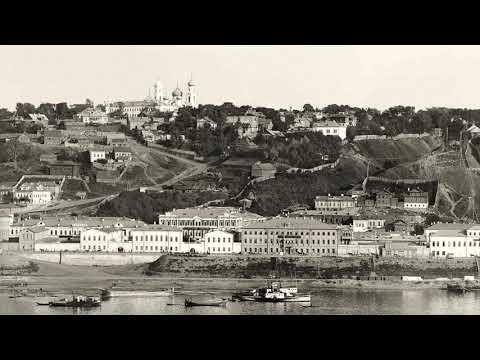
pixel 177 99
pixel 160 100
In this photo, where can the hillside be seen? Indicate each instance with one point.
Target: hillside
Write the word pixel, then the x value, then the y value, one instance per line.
pixel 273 195
pixel 458 187
pixel 396 150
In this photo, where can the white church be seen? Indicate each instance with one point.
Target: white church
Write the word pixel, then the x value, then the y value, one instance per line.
pixel 160 100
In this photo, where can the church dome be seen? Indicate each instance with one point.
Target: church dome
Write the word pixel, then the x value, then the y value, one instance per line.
pixel 177 92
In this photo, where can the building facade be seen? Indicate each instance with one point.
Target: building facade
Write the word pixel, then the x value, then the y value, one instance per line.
pixel 92 116
pixel 196 222
pixel 332 204
pixel 264 170
pixel 97 154
pixel 67 168
pixel 330 128
pixel 362 225
pixel 104 240
pixel 290 236
pixel 416 200
pixel 157 238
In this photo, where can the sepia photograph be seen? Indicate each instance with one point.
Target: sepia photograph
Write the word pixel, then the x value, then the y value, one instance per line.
pixel 239 179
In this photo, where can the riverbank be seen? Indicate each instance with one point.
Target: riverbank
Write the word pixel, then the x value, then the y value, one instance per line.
pixel 228 274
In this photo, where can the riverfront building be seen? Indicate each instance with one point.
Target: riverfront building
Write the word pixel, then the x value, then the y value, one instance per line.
pixel 104 240
pixel 290 236
pixel 70 227
pixel 196 222
pixel 156 238
pixel 456 240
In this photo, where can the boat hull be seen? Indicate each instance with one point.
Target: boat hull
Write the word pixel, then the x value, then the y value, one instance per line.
pixel 298 298
pixel 120 293
pixel 189 303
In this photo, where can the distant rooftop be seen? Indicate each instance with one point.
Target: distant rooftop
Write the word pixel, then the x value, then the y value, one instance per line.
pixel 450 226
pixel 209 212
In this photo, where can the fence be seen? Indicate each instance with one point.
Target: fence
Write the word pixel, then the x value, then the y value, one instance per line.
pixel 317 168
pixel 400 181
pixel 384 137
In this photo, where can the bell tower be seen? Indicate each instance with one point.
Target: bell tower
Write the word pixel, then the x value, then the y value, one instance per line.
pixel 191 95
pixel 158 91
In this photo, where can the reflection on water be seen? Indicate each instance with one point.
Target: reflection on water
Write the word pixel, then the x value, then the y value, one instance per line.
pixel 334 301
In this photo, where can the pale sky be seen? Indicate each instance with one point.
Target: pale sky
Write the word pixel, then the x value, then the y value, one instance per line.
pixel 272 76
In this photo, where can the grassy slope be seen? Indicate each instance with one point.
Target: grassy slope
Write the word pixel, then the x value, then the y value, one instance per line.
pixel 285 190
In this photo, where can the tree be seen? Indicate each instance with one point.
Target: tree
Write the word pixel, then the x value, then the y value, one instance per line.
pixel 48 110
pixel 89 103
pixel 62 111
pixel 308 108
pixel 14 151
pixel 24 109
pixel 101 107
pixel 418 230
pixel 5 114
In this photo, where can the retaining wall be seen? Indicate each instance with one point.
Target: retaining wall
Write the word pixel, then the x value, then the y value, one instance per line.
pixel 93 259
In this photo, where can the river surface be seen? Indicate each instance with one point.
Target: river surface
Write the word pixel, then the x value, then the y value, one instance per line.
pixel 331 301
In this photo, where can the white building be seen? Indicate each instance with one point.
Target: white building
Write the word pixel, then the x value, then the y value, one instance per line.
pixel 70 227
pixel 97 154
pixel 416 200
pixel 36 192
pixel 362 225
pixel 105 240
pixel 92 116
pixel 330 128
pixel 196 222
pixel 457 240
pixel 219 242
pixel 156 238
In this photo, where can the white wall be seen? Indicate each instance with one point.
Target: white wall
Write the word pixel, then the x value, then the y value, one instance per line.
pixel 444 245
pixel 57 247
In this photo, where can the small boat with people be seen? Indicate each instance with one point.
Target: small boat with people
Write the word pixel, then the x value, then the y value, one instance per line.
pixel 273 292
pixel 78 301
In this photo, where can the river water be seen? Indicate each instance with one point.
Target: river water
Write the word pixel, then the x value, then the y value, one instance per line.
pixel 331 301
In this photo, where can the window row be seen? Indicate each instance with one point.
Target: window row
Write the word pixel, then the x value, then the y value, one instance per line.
pixel 301 241
pixel 219 240
pixel 455 243
pixel 323 233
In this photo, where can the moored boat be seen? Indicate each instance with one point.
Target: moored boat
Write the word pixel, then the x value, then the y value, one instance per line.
pixel 457 288
pixel 77 301
pixel 205 302
pixel 274 292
